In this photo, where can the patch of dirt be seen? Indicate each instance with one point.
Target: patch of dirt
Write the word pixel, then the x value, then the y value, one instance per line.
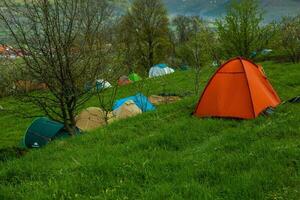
pixel 158 100
pixel 11 153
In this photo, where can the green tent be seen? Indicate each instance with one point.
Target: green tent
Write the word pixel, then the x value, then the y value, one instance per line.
pixel 134 77
pixel 42 131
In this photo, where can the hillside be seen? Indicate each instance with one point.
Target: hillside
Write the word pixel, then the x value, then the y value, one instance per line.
pixel 165 154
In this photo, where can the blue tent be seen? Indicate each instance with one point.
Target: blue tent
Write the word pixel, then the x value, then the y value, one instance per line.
pixel 253 54
pixel 184 67
pixel 139 99
pixel 162 65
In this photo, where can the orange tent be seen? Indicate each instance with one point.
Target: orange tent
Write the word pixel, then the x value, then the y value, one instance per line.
pixel 239 89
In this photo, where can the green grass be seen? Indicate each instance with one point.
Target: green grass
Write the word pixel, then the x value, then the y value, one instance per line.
pixel 166 154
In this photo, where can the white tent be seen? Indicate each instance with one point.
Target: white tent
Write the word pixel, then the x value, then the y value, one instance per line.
pixel 160 70
pixel 266 51
pixel 102 84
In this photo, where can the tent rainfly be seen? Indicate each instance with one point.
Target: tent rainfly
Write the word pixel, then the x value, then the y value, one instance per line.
pixel 102 84
pixel 239 89
pixel 124 80
pixel 139 99
pixel 42 131
pixel 134 77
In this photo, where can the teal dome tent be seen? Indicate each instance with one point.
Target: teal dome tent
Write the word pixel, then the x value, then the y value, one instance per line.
pixel 42 131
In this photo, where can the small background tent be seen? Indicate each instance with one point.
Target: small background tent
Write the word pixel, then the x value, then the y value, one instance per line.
pixel 139 99
pixel 239 89
pixel 266 51
pixel 102 84
pixel 160 70
pixel 184 67
pixel 124 80
pixel 253 54
pixel 42 131
pixel 134 77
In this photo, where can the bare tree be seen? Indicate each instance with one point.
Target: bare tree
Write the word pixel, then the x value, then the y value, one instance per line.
pixel 199 56
pixel 197 51
pixel 185 27
pixel 127 45
pixel 63 41
pixel 106 96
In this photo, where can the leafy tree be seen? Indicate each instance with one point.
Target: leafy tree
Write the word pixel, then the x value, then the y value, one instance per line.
pixel 241 32
pixel 147 28
pixel 185 27
pixel 289 37
pixel 127 46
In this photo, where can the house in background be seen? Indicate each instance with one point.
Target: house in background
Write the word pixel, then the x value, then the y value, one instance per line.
pixel 9 52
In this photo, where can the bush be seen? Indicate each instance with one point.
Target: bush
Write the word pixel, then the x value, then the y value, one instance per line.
pixel 6 80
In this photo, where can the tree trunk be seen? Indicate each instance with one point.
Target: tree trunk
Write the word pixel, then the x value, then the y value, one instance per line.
pixel 150 53
pixel 69 127
pixel 71 116
pixel 197 80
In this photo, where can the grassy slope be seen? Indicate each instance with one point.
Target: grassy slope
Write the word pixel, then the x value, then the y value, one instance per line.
pixel 167 154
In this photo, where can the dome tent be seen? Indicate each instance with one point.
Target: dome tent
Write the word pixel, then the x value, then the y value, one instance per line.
pixel 134 77
pixel 124 80
pixel 266 51
pixel 42 131
pixel 102 84
pixel 239 89
pixel 160 70
pixel 184 67
pixel 139 99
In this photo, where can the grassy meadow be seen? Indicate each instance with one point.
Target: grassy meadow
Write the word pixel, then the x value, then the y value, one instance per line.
pixel 164 154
